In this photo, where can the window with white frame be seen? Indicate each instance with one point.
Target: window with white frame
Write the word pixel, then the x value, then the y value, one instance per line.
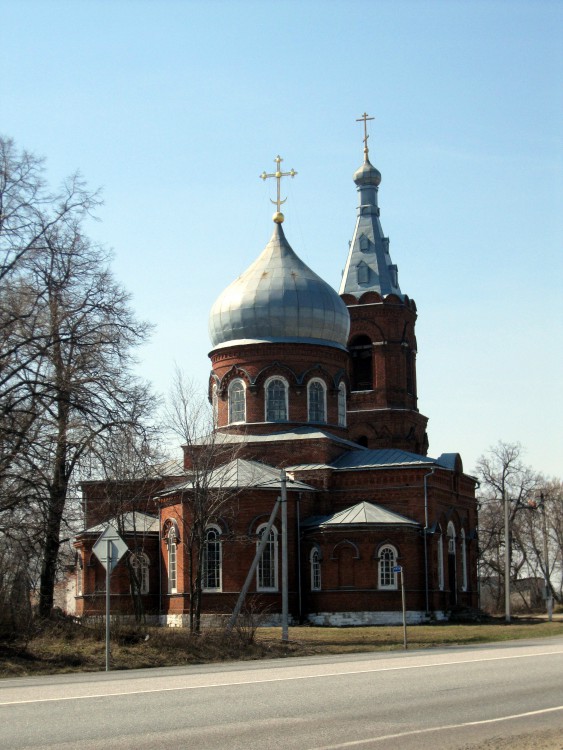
pixel 316 401
pixel 140 568
pixel 267 571
pixel 212 559
pixel 276 400
pixel 237 401
pixel 463 561
pixel 172 560
pixel 387 561
pixel 315 560
pixel 342 405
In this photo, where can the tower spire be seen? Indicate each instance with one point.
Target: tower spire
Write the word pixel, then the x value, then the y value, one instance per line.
pixel 364 118
pixel 278 174
pixel 369 266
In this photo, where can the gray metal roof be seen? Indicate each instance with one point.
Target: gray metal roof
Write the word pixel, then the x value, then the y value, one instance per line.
pixel 365 459
pixel 363 514
pixel 308 467
pixel 131 522
pixel 279 299
pixel 241 474
pixel 299 433
pixel 369 266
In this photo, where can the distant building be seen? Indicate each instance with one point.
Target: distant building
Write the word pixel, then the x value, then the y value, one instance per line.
pixel 323 385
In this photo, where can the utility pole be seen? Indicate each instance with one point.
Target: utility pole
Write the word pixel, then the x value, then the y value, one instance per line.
pixel 506 558
pixel 285 586
pixel 548 597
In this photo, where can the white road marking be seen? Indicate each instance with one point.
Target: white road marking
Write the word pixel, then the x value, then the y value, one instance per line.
pixel 357 743
pixel 321 674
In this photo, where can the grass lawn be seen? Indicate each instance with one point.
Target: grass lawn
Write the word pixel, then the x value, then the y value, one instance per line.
pixel 67 647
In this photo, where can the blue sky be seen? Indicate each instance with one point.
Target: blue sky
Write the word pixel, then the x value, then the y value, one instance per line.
pixel 175 108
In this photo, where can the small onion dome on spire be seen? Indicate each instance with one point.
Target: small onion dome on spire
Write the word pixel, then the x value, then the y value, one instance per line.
pixel 279 299
pixel 367 174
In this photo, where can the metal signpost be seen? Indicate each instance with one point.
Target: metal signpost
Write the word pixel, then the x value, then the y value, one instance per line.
pixel 109 549
pixel 399 569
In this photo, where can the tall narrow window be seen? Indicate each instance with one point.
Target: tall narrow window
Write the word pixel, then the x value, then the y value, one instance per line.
pixel 440 563
pixel 316 393
pixel 463 561
pixel 276 400
pixel 342 405
pixel 140 569
pixel 315 569
pixel 387 576
pixel 212 559
pixel 215 405
pixel 452 563
pixel 237 402
pixel 172 572
pixel 410 371
pixel 79 574
pixel 361 353
pixel 267 573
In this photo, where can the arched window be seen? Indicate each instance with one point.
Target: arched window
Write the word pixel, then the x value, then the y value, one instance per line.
pixel 316 401
pixel 276 400
pixel 387 561
pixel 215 405
pixel 140 567
pixel 315 560
pixel 342 405
pixel 171 539
pixel 463 561
pixel 212 559
pixel 237 401
pixel 267 572
pixel 361 354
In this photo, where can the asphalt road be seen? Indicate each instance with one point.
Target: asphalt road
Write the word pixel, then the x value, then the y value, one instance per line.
pixel 440 699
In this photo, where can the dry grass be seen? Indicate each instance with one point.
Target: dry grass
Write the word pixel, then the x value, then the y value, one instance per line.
pixel 69 647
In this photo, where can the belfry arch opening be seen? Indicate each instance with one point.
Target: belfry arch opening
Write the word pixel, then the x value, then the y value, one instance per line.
pixel 361 356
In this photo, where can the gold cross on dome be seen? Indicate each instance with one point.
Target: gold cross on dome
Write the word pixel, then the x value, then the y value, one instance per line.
pixel 278 174
pixel 364 118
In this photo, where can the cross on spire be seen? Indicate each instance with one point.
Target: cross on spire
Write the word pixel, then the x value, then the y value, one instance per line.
pixel 364 118
pixel 278 174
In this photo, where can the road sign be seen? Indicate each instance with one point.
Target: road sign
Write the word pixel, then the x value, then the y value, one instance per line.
pixel 110 548
pixel 397 569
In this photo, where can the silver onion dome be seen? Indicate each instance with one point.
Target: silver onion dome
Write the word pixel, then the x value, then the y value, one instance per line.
pixel 279 299
pixel 367 174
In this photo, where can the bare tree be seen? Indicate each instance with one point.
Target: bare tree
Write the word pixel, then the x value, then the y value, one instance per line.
pixel 28 214
pixel 127 465
pixel 543 535
pixel 207 495
pixel 502 472
pixel 67 334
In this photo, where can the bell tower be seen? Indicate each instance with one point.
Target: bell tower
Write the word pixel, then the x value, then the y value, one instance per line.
pixel 382 407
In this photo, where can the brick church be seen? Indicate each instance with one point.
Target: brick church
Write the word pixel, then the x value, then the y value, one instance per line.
pixel 322 385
